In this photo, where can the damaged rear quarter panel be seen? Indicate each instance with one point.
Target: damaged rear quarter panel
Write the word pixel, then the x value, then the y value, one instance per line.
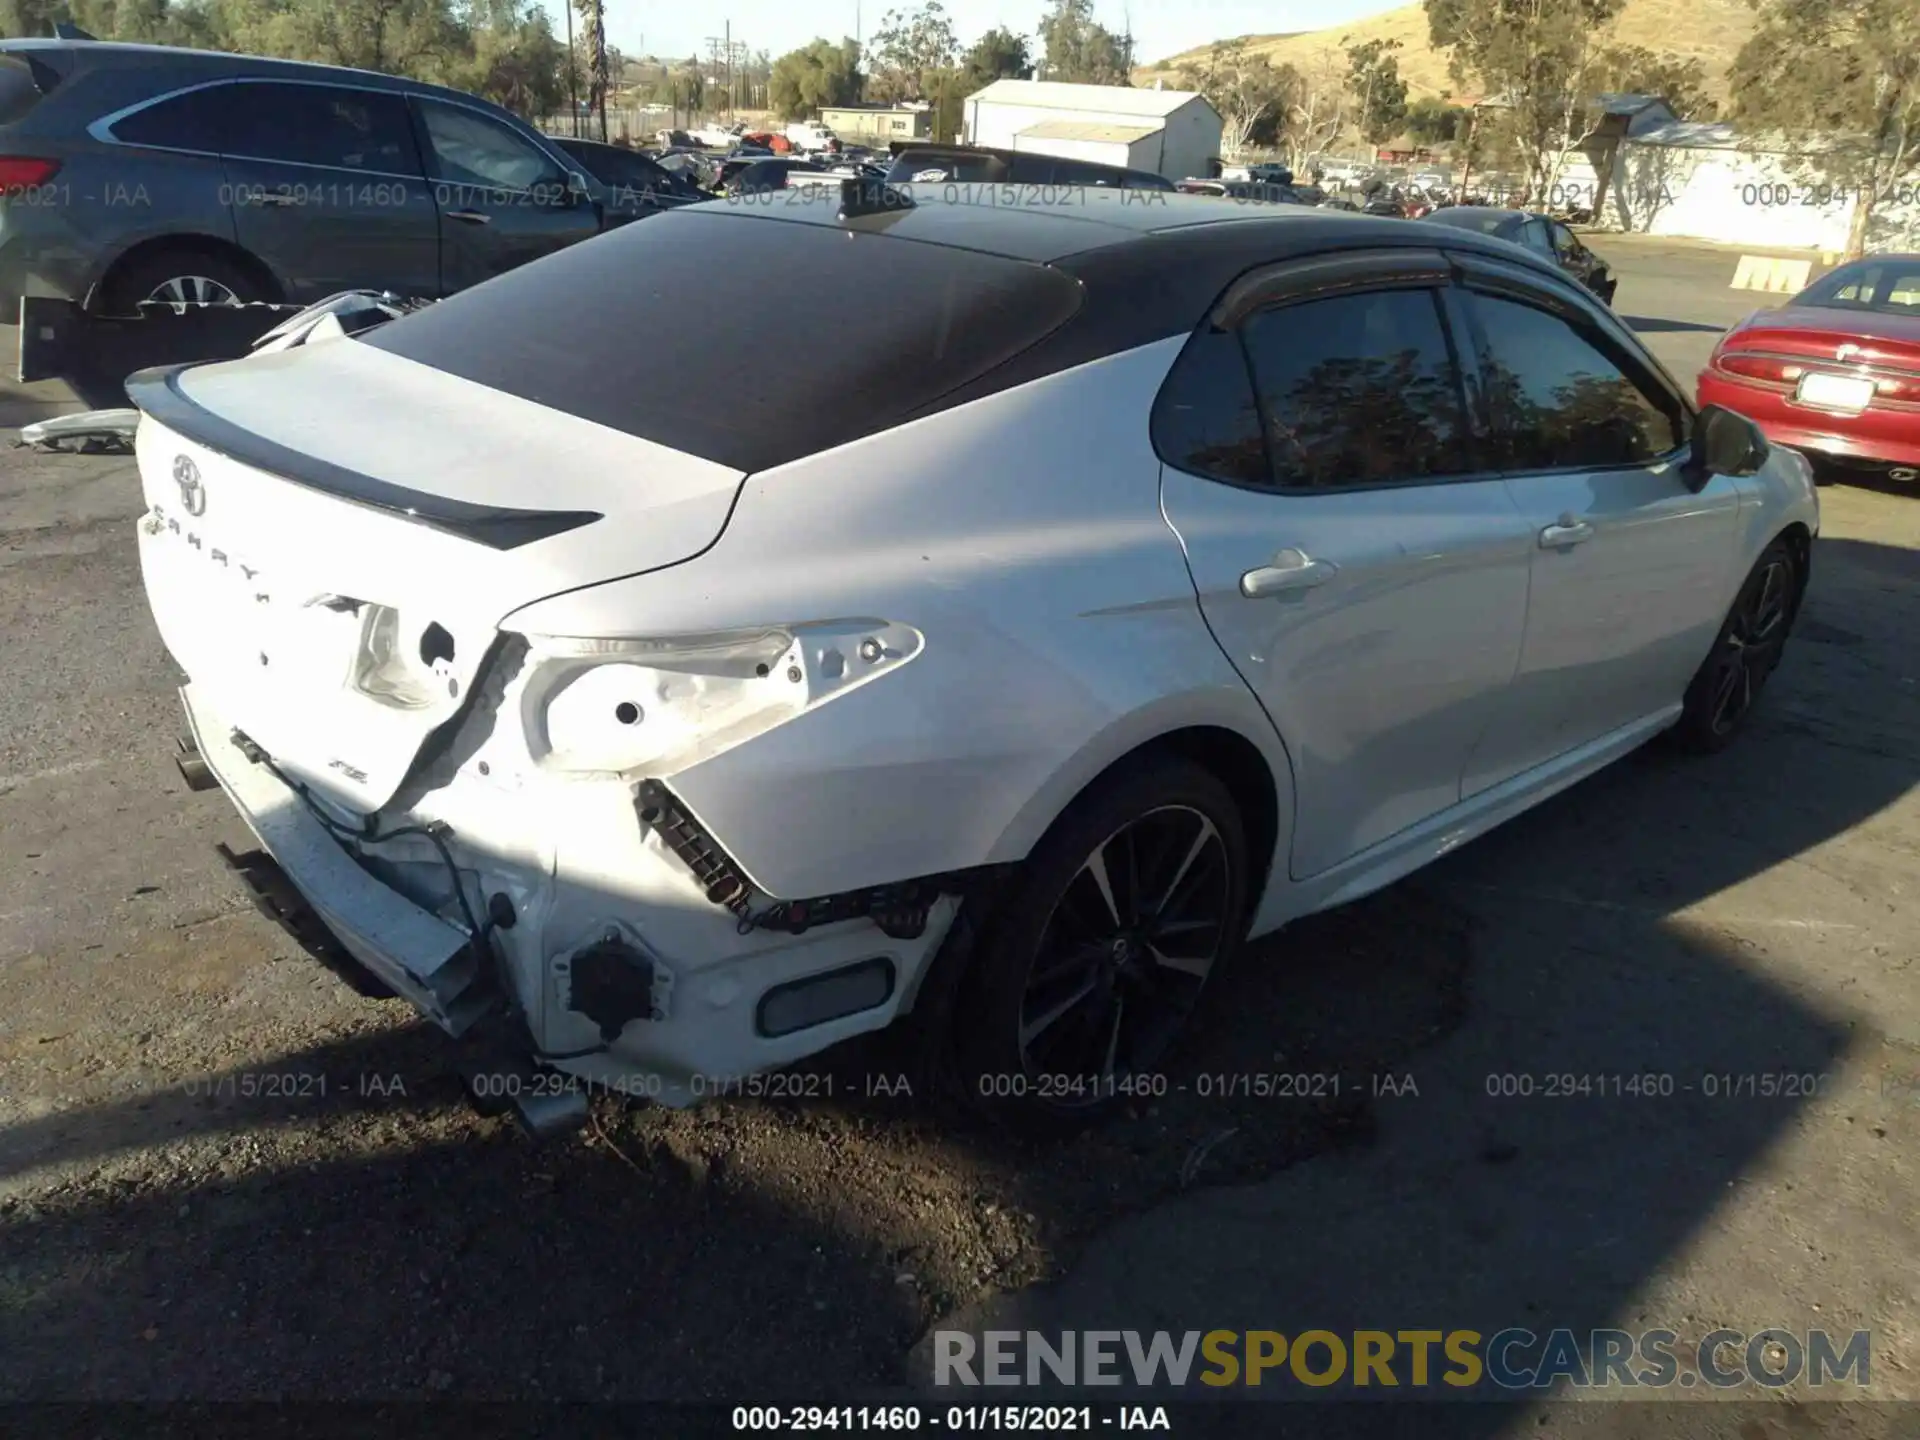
pixel 1022 536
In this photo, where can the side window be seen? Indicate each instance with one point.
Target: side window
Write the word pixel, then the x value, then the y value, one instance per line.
pixel 324 125
pixel 469 148
pixel 1564 245
pixel 198 120
pixel 1359 390
pixel 1533 234
pixel 1205 419
pixel 1558 401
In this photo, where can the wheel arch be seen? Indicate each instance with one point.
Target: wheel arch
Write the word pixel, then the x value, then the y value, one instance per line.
pixel 1243 752
pixel 193 242
pixel 1800 540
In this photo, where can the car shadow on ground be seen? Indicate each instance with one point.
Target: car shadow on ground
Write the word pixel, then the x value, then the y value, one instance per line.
pixel 371 1238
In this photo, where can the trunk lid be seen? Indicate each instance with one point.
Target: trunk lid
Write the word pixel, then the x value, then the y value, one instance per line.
pixel 1818 333
pixel 334 510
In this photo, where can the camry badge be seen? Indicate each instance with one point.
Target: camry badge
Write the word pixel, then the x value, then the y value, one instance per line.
pixel 193 493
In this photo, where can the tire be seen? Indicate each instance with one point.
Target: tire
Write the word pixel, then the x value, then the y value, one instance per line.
pixel 177 273
pixel 1751 640
pixel 1068 1005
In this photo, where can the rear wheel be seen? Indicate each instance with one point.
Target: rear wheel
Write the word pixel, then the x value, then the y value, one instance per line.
pixel 1098 953
pixel 1751 641
pixel 181 276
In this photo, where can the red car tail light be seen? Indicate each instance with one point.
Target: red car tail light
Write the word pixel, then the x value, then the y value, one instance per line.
pixel 19 172
pixel 1770 368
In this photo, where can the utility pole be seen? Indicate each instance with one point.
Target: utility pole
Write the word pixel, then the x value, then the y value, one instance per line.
pixel 729 38
pixel 714 42
pixel 573 82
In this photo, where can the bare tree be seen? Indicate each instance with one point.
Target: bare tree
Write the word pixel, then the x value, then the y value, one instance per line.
pixel 1316 109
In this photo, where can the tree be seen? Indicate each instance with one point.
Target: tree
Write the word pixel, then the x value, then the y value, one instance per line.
pixel 1537 58
pixel 997 55
pixel 1379 94
pixel 1247 89
pixel 1432 121
pixel 1676 79
pixel 1846 72
pixel 907 49
pixel 1315 106
pixel 804 82
pixel 1082 51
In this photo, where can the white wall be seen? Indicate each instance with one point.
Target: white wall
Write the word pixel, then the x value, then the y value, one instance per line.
pixel 1741 198
pixel 1192 139
pixel 1100 152
pixel 1191 136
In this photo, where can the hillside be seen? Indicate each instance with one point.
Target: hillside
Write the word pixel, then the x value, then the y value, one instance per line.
pixel 1711 31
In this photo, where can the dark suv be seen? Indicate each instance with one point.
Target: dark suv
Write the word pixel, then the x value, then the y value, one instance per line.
pixel 136 172
pixel 981 165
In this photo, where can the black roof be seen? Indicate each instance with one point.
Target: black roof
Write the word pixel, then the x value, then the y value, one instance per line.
pixel 982 296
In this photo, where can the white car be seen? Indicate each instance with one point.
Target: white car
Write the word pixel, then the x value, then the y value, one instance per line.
pixel 715 137
pixel 809 136
pixel 1134 581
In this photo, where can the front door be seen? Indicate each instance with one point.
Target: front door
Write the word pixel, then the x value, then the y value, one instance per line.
pixel 1363 575
pixel 503 200
pixel 327 189
pixel 1630 566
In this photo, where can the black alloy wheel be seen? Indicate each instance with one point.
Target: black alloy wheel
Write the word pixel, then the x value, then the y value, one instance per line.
pixel 1097 958
pixel 1749 647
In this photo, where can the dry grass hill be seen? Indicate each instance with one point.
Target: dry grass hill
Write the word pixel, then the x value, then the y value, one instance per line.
pixel 1711 31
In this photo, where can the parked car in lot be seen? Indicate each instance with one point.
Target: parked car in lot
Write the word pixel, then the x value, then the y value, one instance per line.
pixel 764 175
pixel 140 172
pixel 1836 370
pixel 1541 234
pixel 1172 612
pixel 633 184
pixel 982 165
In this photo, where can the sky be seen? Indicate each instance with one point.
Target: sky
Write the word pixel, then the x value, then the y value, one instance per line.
pixel 1160 27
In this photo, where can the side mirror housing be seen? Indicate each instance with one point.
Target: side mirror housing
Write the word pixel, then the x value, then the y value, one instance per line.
pixel 1724 443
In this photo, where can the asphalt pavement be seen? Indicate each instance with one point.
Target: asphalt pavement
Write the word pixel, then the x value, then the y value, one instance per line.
pixel 222 1175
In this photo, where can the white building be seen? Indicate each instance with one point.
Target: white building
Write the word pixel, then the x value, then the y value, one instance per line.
pixel 1174 133
pixel 1696 179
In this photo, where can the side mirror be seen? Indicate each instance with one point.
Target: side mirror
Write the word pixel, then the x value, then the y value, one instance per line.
pixel 577 191
pixel 1724 443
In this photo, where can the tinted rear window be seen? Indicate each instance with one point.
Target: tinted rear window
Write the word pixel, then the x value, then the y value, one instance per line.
pixel 624 331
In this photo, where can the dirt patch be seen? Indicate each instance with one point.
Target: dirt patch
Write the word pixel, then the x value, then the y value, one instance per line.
pixel 327 1218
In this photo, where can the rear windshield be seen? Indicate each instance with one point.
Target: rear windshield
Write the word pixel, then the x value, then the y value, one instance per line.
pixel 923 165
pixel 1890 286
pixel 820 334
pixel 19 89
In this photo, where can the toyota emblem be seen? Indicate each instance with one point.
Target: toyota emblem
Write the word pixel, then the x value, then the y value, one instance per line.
pixel 193 494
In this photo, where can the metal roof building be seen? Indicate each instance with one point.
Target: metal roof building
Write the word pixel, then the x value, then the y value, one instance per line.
pixel 1174 133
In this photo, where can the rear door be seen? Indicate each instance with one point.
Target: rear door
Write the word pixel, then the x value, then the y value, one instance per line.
pixel 1353 556
pixel 1630 567
pixel 327 188
pixel 502 199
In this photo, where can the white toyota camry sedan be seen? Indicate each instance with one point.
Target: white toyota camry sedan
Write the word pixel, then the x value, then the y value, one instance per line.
pixel 671 693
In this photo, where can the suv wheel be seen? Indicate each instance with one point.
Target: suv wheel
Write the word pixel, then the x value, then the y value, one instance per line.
pixel 181 277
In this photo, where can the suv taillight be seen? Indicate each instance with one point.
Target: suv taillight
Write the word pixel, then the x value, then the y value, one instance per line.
pixel 22 173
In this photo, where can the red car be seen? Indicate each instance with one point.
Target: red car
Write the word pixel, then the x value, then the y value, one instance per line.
pixel 1836 370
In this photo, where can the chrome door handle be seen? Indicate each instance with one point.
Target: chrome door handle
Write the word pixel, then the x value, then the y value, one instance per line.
pixel 268 197
pixel 1291 570
pixel 472 217
pixel 1566 531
